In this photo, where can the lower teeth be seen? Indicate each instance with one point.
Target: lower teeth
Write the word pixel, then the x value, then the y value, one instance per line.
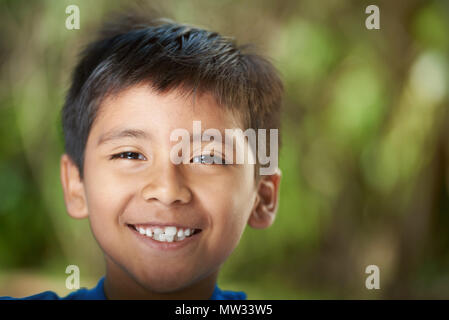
pixel 162 237
pixel 165 238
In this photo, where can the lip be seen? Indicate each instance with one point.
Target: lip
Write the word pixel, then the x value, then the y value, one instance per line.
pixel 162 225
pixel 158 245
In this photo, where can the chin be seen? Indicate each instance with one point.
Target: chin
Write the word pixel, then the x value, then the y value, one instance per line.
pixel 165 287
pixel 166 281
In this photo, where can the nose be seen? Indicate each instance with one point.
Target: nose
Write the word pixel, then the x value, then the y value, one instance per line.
pixel 167 186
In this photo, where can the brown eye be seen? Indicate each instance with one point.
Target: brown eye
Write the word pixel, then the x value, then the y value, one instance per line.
pixel 129 155
pixel 207 159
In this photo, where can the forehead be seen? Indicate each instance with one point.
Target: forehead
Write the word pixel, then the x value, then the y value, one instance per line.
pixel 144 108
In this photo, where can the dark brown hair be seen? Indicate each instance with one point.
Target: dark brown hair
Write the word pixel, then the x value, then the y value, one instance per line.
pixel 168 56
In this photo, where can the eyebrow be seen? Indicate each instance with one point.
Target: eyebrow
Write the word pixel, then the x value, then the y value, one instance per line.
pixel 123 133
pixel 210 137
pixel 116 134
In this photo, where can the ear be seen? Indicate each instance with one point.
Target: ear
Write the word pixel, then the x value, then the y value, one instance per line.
pixel 73 187
pixel 266 204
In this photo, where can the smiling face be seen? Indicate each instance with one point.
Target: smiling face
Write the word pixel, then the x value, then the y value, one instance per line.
pixel 130 185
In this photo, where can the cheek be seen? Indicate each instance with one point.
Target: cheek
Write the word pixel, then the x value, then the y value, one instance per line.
pixel 107 187
pixel 107 197
pixel 229 204
pixel 105 192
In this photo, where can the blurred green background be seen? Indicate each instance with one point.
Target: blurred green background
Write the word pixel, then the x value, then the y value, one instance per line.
pixel 365 146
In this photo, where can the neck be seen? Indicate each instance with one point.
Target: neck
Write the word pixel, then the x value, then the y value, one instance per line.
pixel 119 285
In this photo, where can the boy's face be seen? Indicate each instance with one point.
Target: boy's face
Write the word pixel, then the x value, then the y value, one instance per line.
pixel 144 188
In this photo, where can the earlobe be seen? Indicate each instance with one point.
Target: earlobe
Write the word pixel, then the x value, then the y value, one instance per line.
pixel 73 187
pixel 267 199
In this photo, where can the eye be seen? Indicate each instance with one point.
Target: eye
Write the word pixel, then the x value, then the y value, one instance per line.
pixel 208 159
pixel 129 155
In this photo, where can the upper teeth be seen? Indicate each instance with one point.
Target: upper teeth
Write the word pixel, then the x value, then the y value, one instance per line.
pixel 165 234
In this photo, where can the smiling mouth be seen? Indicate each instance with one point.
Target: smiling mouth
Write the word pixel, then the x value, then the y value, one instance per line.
pixel 164 233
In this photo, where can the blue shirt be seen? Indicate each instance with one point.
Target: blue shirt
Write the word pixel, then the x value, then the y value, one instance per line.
pixel 97 293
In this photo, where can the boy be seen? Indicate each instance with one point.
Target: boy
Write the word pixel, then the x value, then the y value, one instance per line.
pixel 165 228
